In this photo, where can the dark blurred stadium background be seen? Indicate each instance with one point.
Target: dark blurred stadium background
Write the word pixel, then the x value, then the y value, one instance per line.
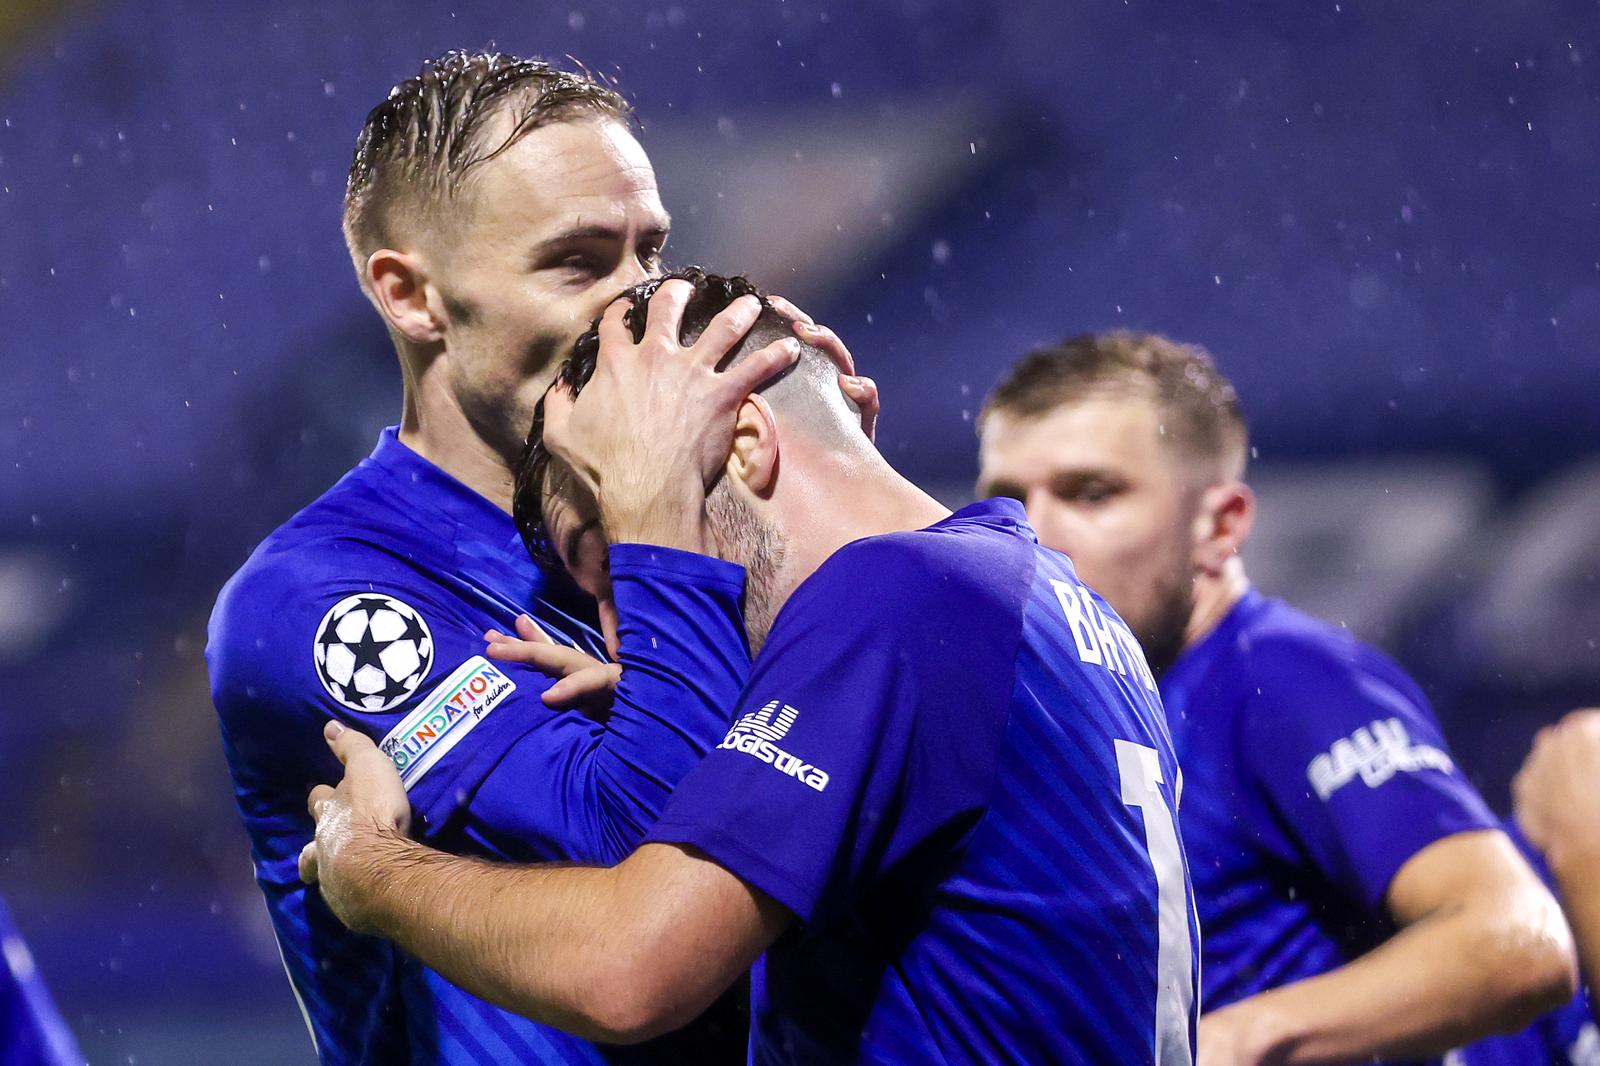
pixel 1381 218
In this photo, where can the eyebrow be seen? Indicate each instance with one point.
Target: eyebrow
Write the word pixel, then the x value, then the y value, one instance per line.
pixel 1001 487
pixel 1086 473
pixel 596 233
pixel 1072 475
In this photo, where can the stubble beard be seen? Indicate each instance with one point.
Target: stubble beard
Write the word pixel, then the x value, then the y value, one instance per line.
pixel 743 537
pixel 1162 632
pixel 501 411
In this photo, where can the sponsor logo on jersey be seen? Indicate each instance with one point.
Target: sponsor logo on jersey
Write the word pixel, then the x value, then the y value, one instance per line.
pixel 1374 753
pixel 758 733
pixel 444 717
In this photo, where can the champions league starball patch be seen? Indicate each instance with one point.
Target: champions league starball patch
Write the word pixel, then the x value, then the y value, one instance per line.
pixel 372 651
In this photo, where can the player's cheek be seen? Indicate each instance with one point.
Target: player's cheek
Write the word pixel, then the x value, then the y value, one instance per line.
pixel 1054 523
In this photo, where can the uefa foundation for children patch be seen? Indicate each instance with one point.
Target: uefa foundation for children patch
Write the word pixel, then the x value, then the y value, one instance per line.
pixel 447 715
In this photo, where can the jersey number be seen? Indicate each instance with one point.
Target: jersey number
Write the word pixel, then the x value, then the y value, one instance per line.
pixel 1140 773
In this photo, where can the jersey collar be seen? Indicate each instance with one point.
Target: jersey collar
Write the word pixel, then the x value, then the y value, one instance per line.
pixel 1196 662
pixel 422 485
pixel 997 507
pixel 999 510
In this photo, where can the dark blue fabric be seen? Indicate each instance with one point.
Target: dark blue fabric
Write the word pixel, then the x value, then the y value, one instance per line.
pixel 925 770
pixel 1315 769
pixel 523 782
pixel 31 1030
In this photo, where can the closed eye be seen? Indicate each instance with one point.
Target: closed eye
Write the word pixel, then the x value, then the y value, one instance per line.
pixel 590 251
pixel 584 264
pixel 574 543
pixel 1002 490
pixel 1089 489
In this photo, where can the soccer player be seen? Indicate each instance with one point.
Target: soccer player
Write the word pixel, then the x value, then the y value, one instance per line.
pixel 944 814
pixel 1557 795
pixel 494 206
pixel 1557 815
pixel 1357 899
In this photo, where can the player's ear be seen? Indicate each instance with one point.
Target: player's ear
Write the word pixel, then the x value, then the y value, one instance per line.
pixel 399 285
pixel 1226 516
pixel 754 458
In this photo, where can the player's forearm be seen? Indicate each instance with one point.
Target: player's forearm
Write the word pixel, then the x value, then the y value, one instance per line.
pixel 1438 984
pixel 533 939
pixel 1577 874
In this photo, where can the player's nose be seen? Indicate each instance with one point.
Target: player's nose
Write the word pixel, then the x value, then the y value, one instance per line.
pixel 632 272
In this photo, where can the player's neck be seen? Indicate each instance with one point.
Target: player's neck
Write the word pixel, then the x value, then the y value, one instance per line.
pixel 434 426
pixel 1214 597
pixel 843 498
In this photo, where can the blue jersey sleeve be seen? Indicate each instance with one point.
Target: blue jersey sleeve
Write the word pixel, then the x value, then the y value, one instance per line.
pixel 863 738
pixel 1349 754
pixel 291 646
pixel 796 799
pixel 304 635
pixel 684 658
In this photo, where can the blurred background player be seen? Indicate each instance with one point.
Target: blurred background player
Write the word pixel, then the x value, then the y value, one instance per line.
pixel 494 205
pixel 1557 796
pixel 1357 899
pixel 940 858
pixel 31 1030
pixel 1557 810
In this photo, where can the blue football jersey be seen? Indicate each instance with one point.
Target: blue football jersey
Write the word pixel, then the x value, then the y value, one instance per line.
pixel 950 763
pixel 31 1030
pixel 1315 770
pixel 369 606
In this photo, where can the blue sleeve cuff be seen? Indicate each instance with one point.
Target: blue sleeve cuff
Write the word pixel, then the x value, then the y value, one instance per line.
pixel 657 563
pixel 749 865
pixel 1404 838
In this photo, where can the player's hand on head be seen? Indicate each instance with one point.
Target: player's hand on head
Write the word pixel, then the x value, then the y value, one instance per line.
pixel 582 681
pixel 862 391
pixel 1557 803
pixel 366 807
pixel 654 425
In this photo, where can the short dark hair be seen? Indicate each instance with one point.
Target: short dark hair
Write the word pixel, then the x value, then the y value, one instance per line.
pixel 712 294
pixel 1199 408
pixel 415 148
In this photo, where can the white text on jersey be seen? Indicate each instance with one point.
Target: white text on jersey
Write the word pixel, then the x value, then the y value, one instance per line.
pixel 1102 640
pixel 1376 752
pixel 757 733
